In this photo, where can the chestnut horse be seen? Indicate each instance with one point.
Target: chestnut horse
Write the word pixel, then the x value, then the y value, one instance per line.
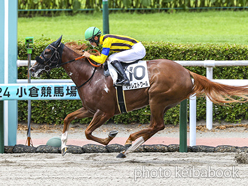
pixel 170 83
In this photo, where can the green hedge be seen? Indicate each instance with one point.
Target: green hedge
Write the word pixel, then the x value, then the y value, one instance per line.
pixel 139 5
pixel 55 111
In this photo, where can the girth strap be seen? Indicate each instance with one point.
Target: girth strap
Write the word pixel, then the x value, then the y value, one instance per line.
pixel 120 94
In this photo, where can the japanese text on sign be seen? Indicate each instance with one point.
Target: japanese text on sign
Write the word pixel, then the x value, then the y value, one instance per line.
pixel 38 92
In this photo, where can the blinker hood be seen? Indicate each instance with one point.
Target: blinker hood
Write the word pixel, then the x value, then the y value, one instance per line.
pixel 39 60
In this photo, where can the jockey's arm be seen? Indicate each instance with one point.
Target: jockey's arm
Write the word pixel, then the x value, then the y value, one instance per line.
pixel 105 52
pixel 99 59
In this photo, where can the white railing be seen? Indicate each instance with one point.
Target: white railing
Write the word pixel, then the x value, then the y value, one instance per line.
pixel 208 64
pixel 25 63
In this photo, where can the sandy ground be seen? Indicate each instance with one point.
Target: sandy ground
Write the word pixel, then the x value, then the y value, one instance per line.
pixel 137 169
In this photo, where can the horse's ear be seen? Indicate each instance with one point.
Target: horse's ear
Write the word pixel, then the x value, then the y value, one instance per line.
pixel 57 43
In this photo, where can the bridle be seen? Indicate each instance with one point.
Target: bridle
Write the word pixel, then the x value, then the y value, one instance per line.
pixel 55 60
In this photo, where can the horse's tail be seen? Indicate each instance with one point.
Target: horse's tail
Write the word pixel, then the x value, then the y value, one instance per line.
pixel 216 92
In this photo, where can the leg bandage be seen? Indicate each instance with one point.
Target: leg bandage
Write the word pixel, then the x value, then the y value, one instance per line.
pixel 64 137
pixel 135 145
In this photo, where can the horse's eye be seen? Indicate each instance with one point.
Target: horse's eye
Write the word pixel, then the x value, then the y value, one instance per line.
pixel 47 51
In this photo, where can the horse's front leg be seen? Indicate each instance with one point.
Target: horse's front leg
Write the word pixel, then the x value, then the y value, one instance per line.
pixel 99 119
pixel 78 114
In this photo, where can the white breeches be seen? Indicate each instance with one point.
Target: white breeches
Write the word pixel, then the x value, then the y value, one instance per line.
pixel 137 51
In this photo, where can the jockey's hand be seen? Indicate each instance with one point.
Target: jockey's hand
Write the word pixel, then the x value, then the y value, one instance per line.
pixel 86 54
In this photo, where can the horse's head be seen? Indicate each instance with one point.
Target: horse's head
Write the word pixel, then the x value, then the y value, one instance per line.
pixel 48 59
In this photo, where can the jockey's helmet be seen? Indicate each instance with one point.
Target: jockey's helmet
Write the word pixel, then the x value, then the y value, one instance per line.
pixel 91 32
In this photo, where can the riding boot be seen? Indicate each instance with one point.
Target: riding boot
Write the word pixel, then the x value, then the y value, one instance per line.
pixel 124 79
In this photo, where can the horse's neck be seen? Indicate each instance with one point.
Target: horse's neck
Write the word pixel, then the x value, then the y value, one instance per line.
pixel 79 71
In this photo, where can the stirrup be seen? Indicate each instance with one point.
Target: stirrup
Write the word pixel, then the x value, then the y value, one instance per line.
pixel 124 82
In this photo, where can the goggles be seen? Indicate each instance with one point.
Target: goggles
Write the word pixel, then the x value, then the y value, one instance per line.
pixel 92 40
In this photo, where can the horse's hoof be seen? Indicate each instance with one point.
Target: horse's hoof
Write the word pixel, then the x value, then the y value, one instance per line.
pixel 113 133
pixel 63 151
pixel 121 155
pixel 127 146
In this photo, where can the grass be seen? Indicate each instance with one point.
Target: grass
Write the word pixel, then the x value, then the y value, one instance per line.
pixel 183 27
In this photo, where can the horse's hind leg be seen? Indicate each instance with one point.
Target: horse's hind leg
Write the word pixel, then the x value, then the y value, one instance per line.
pixel 78 114
pixel 156 124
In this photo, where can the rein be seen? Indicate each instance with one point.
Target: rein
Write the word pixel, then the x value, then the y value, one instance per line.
pixel 88 79
pixel 81 57
pixel 57 54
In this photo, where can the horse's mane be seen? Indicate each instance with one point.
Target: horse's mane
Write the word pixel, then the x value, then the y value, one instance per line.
pixel 79 48
pixel 76 47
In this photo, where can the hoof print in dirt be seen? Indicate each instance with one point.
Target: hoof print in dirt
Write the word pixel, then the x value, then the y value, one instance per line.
pixel 173 148
pixel 225 148
pixel 92 148
pixel 47 149
pixel 115 148
pixel 241 158
pixel 202 148
pixel 155 148
pixel 24 149
pixel 73 149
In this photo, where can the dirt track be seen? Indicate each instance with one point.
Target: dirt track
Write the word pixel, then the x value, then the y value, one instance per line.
pixel 136 169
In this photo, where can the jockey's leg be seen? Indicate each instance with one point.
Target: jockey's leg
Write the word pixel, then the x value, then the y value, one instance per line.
pixel 135 53
pixel 118 67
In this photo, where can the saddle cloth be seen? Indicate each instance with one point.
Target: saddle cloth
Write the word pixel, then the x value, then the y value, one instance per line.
pixel 136 72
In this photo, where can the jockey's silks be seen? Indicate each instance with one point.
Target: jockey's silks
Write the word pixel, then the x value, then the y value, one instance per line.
pixel 113 43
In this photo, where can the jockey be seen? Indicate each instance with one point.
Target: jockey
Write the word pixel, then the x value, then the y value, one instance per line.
pixel 126 50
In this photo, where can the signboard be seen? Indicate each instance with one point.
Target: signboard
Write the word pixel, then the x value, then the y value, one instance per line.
pixel 42 91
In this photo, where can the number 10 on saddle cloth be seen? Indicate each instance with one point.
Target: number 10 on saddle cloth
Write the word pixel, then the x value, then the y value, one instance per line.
pixel 138 76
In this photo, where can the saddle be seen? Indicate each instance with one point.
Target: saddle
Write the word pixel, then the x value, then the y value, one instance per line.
pixel 124 65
